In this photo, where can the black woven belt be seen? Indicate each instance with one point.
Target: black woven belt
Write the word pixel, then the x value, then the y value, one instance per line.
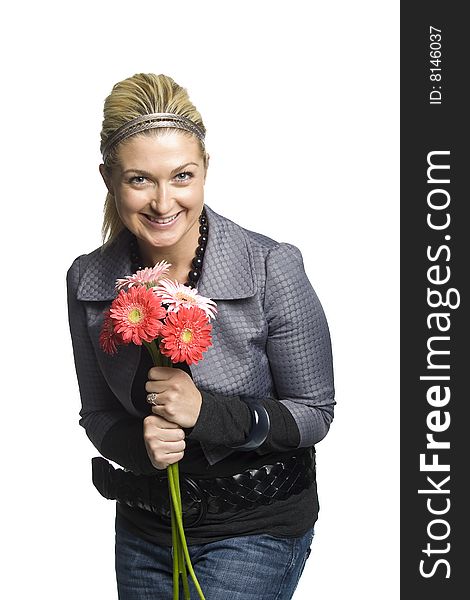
pixel 253 487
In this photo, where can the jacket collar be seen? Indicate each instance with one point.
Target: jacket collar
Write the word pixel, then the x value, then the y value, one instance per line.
pixel 227 271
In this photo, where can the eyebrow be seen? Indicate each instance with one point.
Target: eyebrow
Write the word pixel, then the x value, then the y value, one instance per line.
pixel 174 171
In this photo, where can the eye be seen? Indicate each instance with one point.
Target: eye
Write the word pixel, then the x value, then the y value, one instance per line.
pixel 184 176
pixel 138 179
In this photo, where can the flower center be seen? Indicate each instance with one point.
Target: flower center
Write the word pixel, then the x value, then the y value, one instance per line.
pixel 186 336
pixel 184 297
pixel 134 315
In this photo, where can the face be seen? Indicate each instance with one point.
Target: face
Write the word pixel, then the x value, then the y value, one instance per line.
pixel 158 187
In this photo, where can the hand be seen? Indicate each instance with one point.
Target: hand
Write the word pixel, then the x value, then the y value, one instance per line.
pixel 164 441
pixel 179 400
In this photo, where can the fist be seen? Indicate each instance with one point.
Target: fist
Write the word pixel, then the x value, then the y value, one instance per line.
pixel 164 441
pixel 178 399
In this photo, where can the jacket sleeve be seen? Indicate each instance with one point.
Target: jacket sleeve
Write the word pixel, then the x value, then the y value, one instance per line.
pixel 298 345
pixel 113 432
pixel 299 353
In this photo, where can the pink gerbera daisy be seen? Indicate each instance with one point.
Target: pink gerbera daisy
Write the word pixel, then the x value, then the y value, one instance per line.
pixel 136 314
pixel 109 339
pixel 148 276
pixel 176 294
pixel 185 335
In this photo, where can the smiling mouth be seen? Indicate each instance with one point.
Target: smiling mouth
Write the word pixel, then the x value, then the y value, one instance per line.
pixel 161 221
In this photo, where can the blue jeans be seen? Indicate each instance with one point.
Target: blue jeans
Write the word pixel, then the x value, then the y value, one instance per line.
pixel 252 567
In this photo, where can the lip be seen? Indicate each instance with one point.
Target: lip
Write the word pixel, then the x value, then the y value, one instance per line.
pixel 157 226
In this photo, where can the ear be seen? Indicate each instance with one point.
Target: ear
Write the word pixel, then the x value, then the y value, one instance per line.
pixel 106 179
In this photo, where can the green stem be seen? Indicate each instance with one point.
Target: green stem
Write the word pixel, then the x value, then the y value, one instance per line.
pixel 184 574
pixel 180 549
pixel 176 477
pixel 154 352
pixel 176 553
pixel 181 562
pixel 179 520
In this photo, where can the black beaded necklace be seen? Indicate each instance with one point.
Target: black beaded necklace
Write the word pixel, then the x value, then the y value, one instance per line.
pixel 195 273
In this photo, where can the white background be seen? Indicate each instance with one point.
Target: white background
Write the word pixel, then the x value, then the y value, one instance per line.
pixel 300 100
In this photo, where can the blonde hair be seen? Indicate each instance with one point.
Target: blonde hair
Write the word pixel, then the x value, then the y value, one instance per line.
pixel 141 94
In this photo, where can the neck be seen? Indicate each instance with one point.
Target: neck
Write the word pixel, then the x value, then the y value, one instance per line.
pixel 180 256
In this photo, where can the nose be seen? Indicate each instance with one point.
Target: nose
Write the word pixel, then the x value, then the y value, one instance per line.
pixel 161 200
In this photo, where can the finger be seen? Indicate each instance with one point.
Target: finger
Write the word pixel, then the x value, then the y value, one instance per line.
pixel 160 373
pixel 160 422
pixel 159 411
pixel 155 386
pixel 174 458
pixel 170 435
pixel 159 447
pixel 162 452
pixel 172 447
pixel 165 411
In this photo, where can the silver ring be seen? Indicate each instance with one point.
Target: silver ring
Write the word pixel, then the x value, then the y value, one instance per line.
pixel 152 399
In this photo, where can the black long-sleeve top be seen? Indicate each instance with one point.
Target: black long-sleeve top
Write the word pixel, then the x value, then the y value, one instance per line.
pixel 231 417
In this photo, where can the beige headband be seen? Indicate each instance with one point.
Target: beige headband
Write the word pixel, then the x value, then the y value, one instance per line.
pixel 151 121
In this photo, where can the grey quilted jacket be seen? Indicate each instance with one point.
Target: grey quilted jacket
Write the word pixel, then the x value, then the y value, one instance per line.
pixel 270 338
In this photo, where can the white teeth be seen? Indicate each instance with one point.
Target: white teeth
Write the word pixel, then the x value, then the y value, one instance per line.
pixel 164 220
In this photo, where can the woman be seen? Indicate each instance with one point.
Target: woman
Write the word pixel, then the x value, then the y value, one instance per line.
pixel 243 421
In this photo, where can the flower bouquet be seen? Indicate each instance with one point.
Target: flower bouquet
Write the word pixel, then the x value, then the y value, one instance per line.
pixel 172 321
